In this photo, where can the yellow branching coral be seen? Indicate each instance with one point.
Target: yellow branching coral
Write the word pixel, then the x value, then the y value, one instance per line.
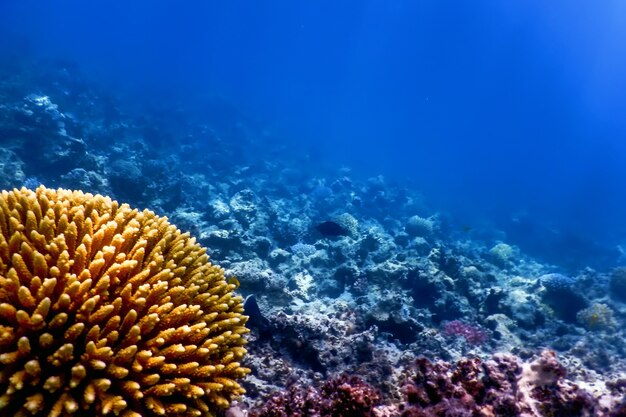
pixel 110 311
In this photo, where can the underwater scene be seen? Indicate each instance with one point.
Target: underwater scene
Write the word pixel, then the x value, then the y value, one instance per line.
pixel 408 208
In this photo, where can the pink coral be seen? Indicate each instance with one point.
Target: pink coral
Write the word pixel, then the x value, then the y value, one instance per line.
pixel 343 396
pixel 474 335
pixel 349 397
pixel 502 386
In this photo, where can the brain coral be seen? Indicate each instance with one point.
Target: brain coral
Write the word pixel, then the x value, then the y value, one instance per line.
pixel 106 310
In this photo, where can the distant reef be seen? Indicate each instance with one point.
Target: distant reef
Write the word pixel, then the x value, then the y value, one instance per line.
pixel 363 299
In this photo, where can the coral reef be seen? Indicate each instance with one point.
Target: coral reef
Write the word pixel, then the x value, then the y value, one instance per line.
pixel 399 281
pixel 598 316
pixel 419 226
pixel 561 295
pixel 474 335
pixel 343 396
pixel 503 386
pixel 502 254
pixel 109 310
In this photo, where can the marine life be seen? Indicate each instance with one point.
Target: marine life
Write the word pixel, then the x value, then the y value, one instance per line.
pixel 105 309
pixel 255 213
pixel 256 319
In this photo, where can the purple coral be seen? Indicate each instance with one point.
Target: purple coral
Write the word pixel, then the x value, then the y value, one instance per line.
pixel 502 386
pixel 474 335
pixel 343 396
pixel 296 401
pixel 349 396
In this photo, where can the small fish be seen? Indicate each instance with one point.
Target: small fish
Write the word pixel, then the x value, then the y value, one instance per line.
pixel 330 228
pixel 233 281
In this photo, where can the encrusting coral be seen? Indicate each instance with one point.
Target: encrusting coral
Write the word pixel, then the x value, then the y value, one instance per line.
pixel 342 396
pixel 106 310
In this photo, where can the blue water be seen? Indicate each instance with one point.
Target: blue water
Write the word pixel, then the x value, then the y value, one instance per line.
pixel 503 113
